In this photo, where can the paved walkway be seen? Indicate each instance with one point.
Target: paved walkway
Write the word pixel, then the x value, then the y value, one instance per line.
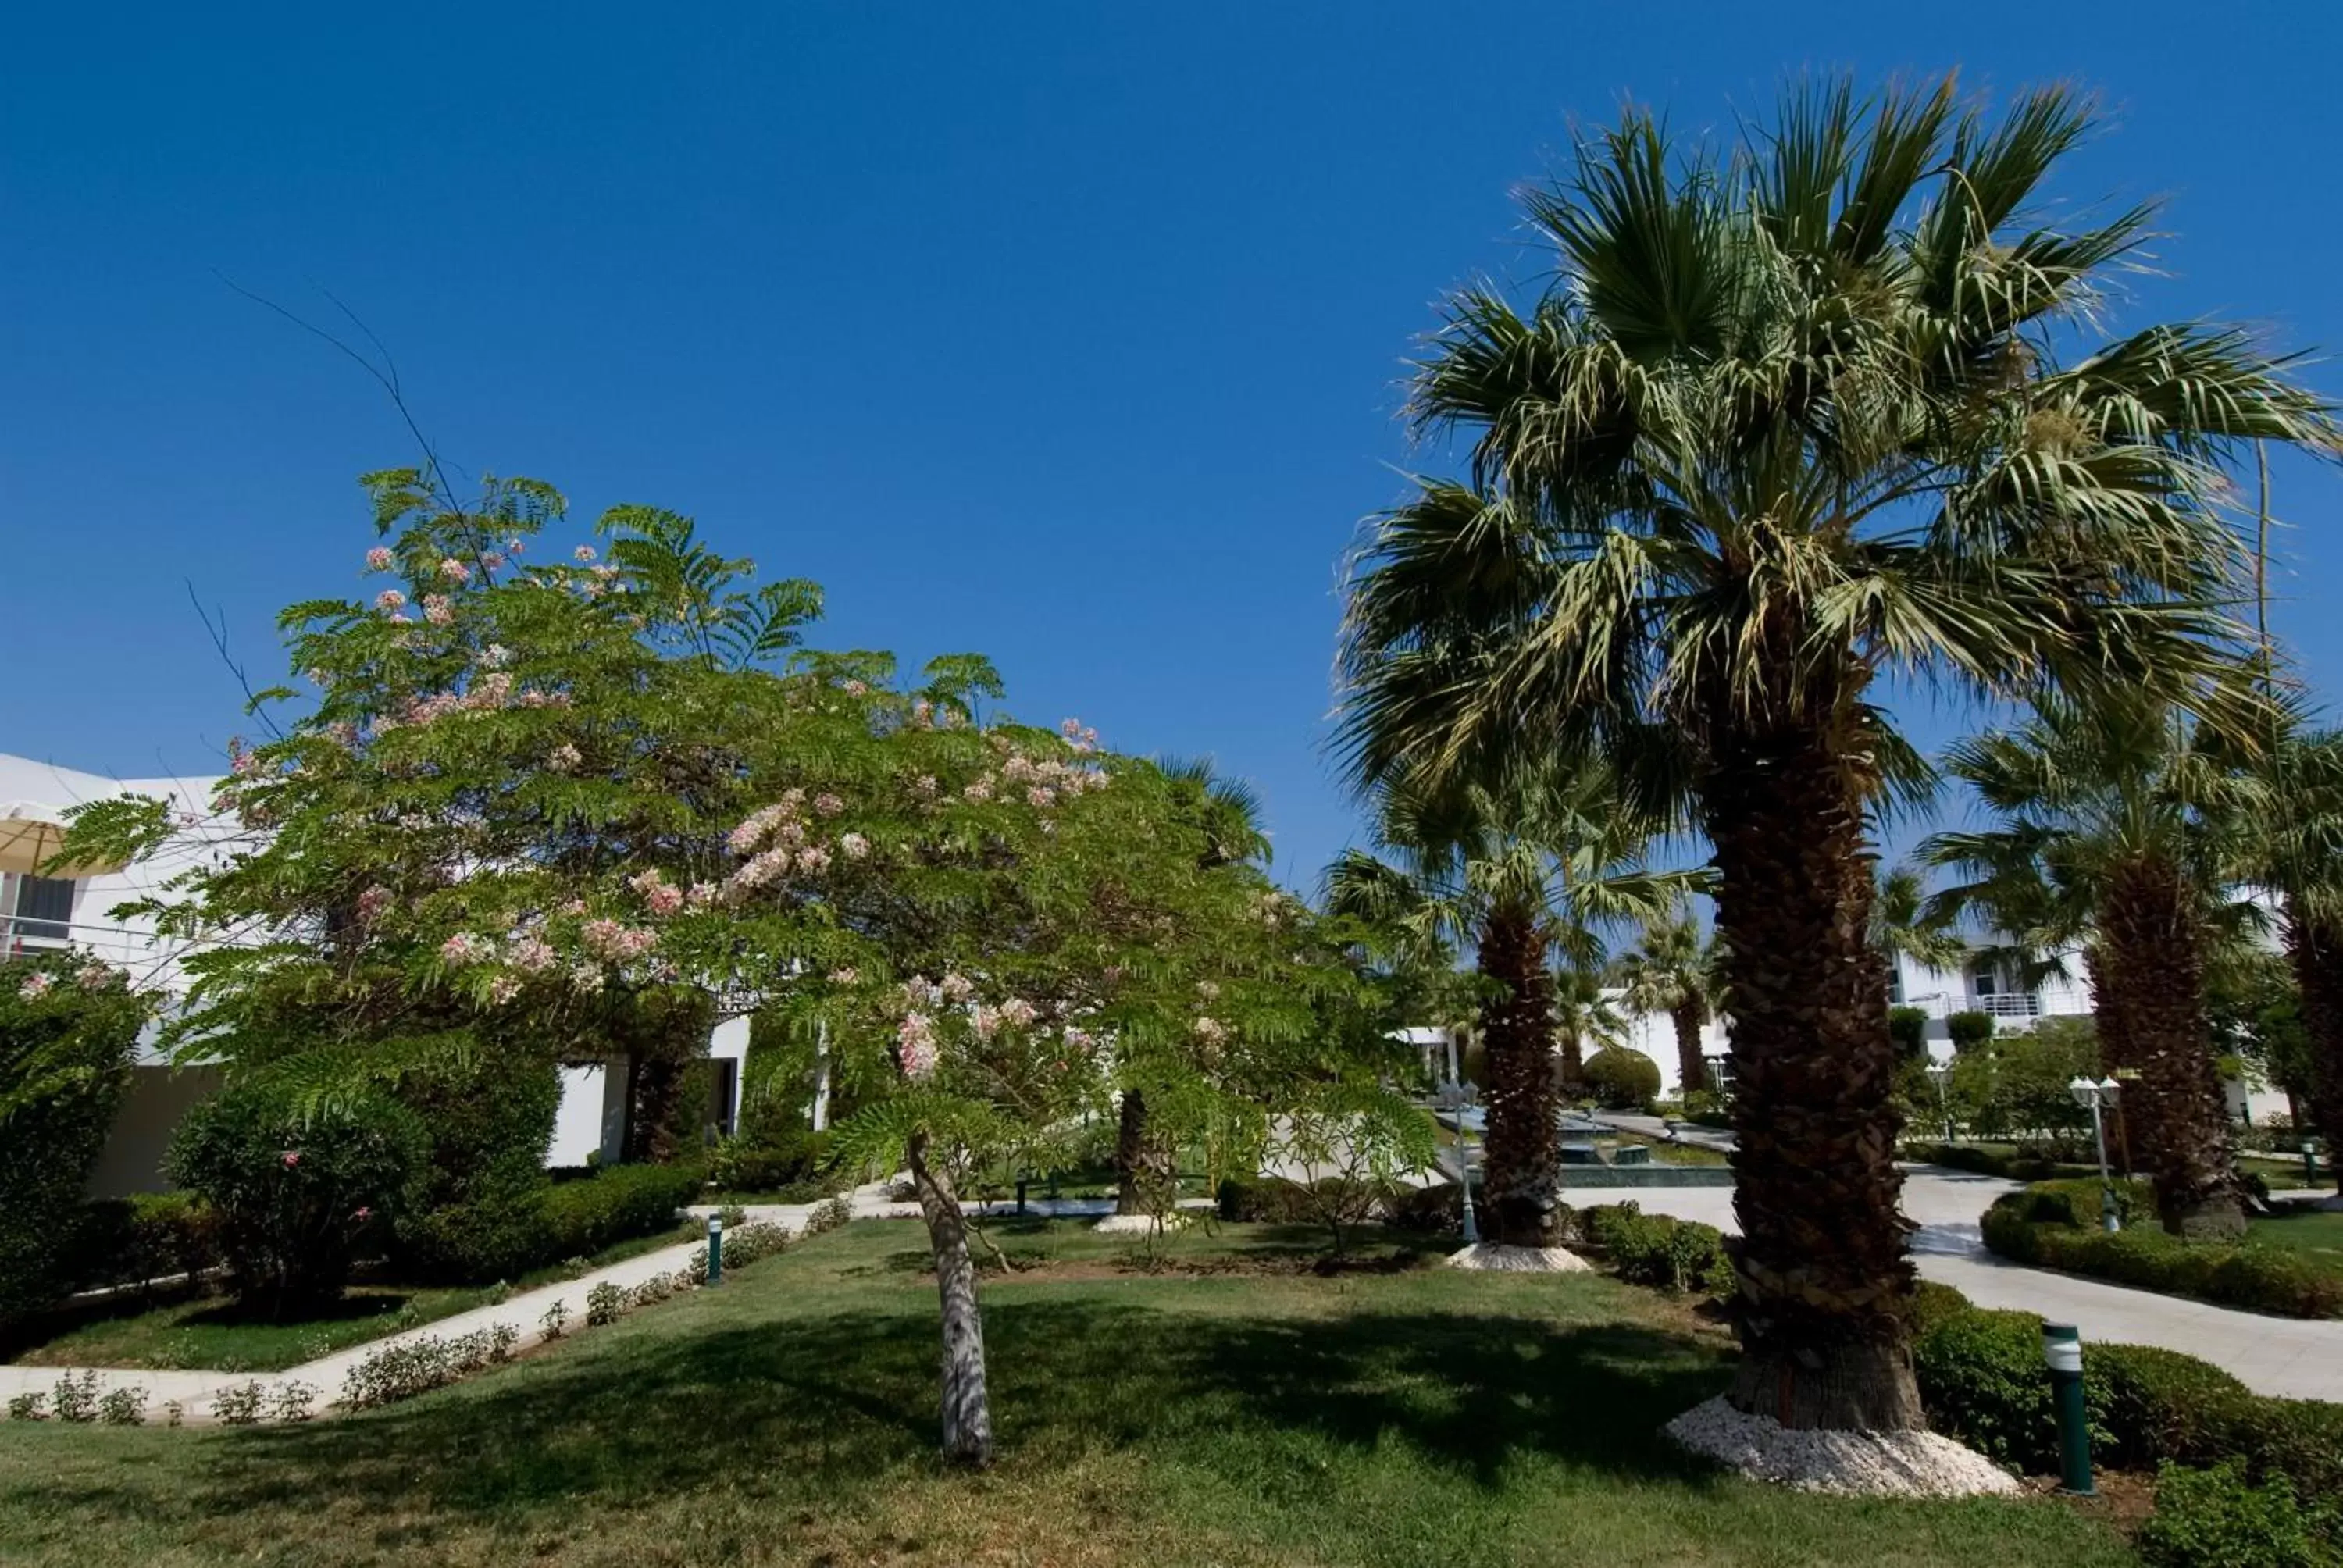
pixel 2295 1358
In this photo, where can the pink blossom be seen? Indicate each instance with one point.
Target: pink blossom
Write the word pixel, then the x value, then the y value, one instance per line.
pixel 35 988
pixel 844 976
pixel 702 895
pixel 1070 727
pixel 96 977
pixel 854 688
pixel 827 805
pixel 438 610
pixel 602 937
pixel 361 1215
pixel 987 1020
pixel 454 571
pixel 245 765
pixel 664 900
pixel 496 656
pixel 915 1045
pixel 401 618
pixel 513 545
pixel 503 989
pixel 584 978
pixel 605 573
pixel 1017 1012
pixel 462 948
pixel 980 790
pixel 645 880
pixel 813 859
pixel 492 561
pixel 390 599
pixel 958 988
pixel 372 902
pixel 1040 796
pixel 291 1158
pixel 574 906
pixel 378 558
pixel 563 757
pixel 854 844
pixel 584 552
pixel 531 955
pixel 635 941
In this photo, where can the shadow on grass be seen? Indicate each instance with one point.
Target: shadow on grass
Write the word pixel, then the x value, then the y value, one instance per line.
pixel 825 1409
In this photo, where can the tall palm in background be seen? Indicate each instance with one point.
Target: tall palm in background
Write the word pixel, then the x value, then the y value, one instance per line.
pixel 2296 849
pixel 1585 1014
pixel 2124 825
pixel 1674 969
pixel 1519 876
pixel 1829 406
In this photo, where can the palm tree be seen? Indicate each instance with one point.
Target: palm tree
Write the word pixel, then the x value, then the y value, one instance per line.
pixel 1830 408
pixel 2298 851
pixel 1584 1013
pixel 1903 925
pixel 1675 970
pixel 1520 875
pixel 2122 826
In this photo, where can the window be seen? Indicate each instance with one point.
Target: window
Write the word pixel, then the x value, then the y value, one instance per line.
pixel 40 909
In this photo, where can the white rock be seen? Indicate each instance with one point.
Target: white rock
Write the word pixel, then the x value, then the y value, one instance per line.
pixel 1133 1224
pixel 1866 1463
pixel 1520 1260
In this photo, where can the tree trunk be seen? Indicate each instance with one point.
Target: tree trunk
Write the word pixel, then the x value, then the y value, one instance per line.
pixel 1825 1285
pixel 967 1407
pixel 1692 1068
pixel 1139 1163
pixel 654 1086
pixel 1520 1198
pixel 1569 1065
pixel 2315 948
pixel 2153 981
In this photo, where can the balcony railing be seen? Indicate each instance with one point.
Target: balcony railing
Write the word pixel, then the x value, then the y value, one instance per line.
pixel 2008 1004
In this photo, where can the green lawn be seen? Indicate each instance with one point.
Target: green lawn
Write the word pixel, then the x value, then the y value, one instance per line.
pixel 1232 1407
pixel 2316 1234
pixel 209 1331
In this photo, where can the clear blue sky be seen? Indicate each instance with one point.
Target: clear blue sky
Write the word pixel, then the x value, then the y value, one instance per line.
pixel 1070 334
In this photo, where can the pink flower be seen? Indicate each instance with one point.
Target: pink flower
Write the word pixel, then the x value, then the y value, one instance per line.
pixel 291 1157
pixel 503 989
pixel 496 656
pixel 564 757
pixel 915 1045
pixel 958 988
pixel 584 552
pixel 96 977
pixel 245 765
pixel 702 895
pixel 401 618
pixel 844 976
pixel 1040 796
pixel 362 1215
pixel 390 599
pixel 492 561
pixel 854 844
pixel 531 955
pixel 584 978
pixel 854 688
pixel 463 949
pixel 827 805
pixel 35 988
pixel 438 610
pixel 454 571
pixel 664 900
pixel 1017 1012
pixel 813 859
pixel 980 791
pixel 372 902
pixel 378 558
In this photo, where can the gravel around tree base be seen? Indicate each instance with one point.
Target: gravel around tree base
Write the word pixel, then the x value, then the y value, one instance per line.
pixel 1519 1259
pixel 1864 1464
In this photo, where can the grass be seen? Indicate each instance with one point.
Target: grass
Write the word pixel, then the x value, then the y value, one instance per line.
pixel 1234 1407
pixel 2316 1234
pixel 210 1330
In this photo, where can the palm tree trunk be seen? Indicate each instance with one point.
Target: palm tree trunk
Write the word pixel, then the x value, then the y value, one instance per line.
pixel 1824 1284
pixel 967 1406
pixel 2153 984
pixel 1522 1158
pixel 1692 1068
pixel 1138 1164
pixel 2315 948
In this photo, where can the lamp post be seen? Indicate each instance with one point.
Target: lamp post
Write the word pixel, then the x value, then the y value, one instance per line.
pixel 1458 1098
pixel 1940 1072
pixel 2098 1097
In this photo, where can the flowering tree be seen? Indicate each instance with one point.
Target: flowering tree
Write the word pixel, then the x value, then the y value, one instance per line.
pixel 1011 928
pixel 510 775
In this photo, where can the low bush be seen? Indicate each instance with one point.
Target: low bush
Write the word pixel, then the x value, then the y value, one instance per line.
pixel 1621 1079
pixel 771 1157
pixel 299 1191
pixel 1983 1380
pixel 498 1239
pixel 2056 1225
pixel 1983 1161
pixel 138 1240
pixel 1968 1030
pixel 2217 1519
pixel 490 1122
pixel 1908 1027
pixel 1669 1254
pixel 67 1030
pixel 1437 1209
pixel 582 1218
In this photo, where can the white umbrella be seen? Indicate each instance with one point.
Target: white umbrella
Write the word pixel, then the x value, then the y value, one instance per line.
pixel 31 835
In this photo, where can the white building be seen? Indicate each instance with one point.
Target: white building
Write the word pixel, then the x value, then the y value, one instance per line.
pixel 43 912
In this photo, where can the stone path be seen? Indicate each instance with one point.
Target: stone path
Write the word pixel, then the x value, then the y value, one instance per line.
pixel 2294 1358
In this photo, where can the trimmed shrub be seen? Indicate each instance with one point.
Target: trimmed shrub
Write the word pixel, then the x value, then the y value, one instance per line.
pixel 582 1218
pixel 298 1191
pixel 1968 1030
pixel 1982 1381
pixel 140 1240
pixel 1437 1209
pixel 1908 1027
pixel 67 1031
pixel 489 1126
pixel 2056 1225
pixel 1657 1250
pixel 1621 1079
pixel 2150 1404
pixel 2215 1519
pixel 772 1154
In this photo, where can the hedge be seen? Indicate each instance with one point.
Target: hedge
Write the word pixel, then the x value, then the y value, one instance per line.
pixel 2056 1225
pixel 1982 1381
pixel 138 1240
pixel 556 1220
pixel 1657 1250
pixel 1620 1079
pixel 1985 1162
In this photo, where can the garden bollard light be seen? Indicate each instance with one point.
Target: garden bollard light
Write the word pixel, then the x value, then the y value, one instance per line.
pixel 2062 1348
pixel 715 1248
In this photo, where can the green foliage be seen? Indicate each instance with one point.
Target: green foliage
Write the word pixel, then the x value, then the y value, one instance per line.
pixel 502 1237
pixel 140 1240
pixel 1660 1250
pixel 582 1218
pixel 298 1193
pixel 2217 1519
pixel 1982 1381
pixel 1969 1030
pixel 773 1154
pixel 490 1122
pixel 2014 1085
pixel 1621 1079
pixel 67 1030
pixel 1908 1026
pixel 2056 1225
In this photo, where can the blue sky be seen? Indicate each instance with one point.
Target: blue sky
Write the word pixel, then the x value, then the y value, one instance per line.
pixel 1070 334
